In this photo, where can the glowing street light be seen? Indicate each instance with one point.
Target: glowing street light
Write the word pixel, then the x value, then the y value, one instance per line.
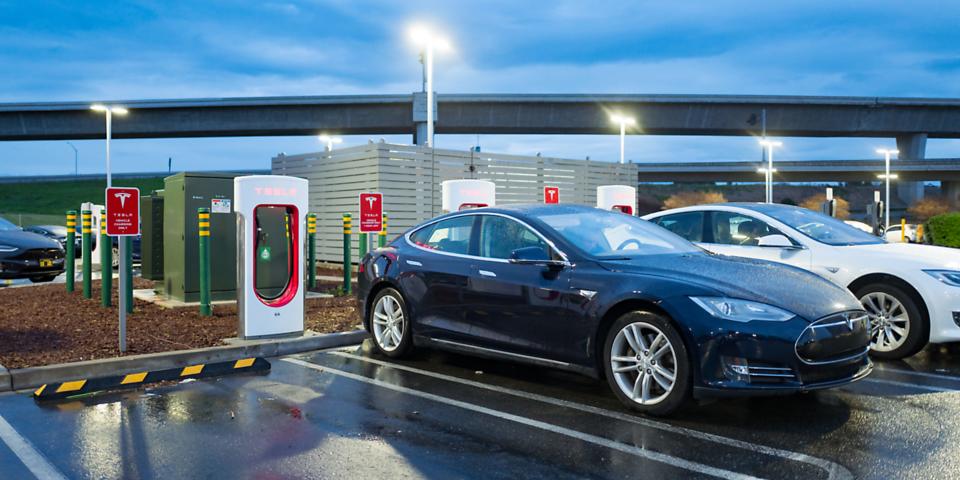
pixel 623 121
pixel 769 171
pixel 428 41
pixel 329 141
pixel 110 110
pixel 886 152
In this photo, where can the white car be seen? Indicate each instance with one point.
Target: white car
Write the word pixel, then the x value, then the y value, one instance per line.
pixel 892 234
pixel 912 292
pixel 863 227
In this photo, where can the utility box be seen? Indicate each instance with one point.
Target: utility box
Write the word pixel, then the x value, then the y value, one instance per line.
pixel 151 239
pixel 183 194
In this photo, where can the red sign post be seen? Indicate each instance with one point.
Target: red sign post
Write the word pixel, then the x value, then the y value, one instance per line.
pixel 551 194
pixel 123 211
pixel 371 212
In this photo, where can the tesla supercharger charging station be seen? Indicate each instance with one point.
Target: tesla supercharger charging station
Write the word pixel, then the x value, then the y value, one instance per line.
pixel 617 197
pixel 271 232
pixel 95 219
pixel 460 195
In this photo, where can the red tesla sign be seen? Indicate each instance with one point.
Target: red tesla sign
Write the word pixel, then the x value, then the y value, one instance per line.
pixel 551 194
pixel 371 212
pixel 123 211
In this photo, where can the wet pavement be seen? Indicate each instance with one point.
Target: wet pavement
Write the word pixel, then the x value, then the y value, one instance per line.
pixel 347 413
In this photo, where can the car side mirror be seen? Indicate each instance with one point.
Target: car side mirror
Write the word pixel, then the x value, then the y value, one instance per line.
pixel 776 240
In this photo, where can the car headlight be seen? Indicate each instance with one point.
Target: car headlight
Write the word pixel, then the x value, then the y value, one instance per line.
pixel 8 248
pixel 950 277
pixel 739 310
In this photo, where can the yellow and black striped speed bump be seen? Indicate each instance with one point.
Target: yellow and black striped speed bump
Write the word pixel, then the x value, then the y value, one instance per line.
pixel 73 388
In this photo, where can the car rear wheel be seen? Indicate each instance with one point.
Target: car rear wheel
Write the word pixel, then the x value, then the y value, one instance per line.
pixel 898 329
pixel 390 323
pixel 646 363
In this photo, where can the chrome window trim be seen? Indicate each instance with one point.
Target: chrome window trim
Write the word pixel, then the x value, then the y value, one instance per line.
pixel 566 260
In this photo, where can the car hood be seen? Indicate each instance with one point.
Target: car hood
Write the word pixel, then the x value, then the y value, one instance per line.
pixel 790 288
pixel 909 254
pixel 26 240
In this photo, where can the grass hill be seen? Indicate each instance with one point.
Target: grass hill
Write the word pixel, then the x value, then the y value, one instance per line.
pixel 30 203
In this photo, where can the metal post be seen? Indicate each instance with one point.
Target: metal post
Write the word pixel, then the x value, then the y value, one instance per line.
pixel 886 202
pixel 312 250
pixel 85 220
pixel 71 248
pixel 770 174
pixel 429 67
pixel 346 253
pixel 106 262
pixel 203 217
pixel 126 252
pixel 623 134
pixel 122 297
pixel 383 233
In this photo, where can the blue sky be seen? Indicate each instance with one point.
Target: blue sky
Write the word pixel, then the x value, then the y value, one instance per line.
pixel 69 50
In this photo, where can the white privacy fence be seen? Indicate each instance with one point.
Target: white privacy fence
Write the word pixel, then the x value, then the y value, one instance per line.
pixel 409 177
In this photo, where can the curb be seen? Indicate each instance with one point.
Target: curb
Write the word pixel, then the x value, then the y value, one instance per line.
pixel 6 382
pixel 33 377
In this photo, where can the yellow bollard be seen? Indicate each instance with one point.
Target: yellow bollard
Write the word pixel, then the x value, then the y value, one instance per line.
pixel 920 233
pixel 903 230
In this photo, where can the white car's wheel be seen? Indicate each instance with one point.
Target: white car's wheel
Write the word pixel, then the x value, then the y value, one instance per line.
pixel 898 328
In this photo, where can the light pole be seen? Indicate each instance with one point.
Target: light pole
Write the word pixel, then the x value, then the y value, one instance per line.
pixel 110 111
pixel 428 41
pixel 329 141
pixel 769 144
pixel 76 159
pixel 886 152
pixel 623 121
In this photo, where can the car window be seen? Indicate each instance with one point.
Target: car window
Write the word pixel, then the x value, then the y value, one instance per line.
pixel 730 228
pixel 605 234
pixel 688 225
pixel 451 235
pixel 500 236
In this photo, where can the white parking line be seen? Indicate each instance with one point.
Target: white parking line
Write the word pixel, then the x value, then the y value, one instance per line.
pixel 24 450
pixel 916 386
pixel 833 470
pixel 603 442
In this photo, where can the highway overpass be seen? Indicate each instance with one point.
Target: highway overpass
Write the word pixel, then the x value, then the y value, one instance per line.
pixel 931 169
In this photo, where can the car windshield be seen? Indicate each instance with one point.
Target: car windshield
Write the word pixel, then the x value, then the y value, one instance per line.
pixel 821 228
pixel 6 225
pixel 606 234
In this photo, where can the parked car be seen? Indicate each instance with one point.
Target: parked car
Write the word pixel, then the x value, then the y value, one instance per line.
pixel 863 227
pixel 912 292
pixel 611 296
pixel 892 234
pixel 28 255
pixel 58 233
pixel 135 254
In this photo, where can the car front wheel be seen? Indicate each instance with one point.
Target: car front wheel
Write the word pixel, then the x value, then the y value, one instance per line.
pixel 390 323
pixel 898 329
pixel 646 363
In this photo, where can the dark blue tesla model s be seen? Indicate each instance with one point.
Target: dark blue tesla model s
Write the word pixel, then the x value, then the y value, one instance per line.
pixel 611 296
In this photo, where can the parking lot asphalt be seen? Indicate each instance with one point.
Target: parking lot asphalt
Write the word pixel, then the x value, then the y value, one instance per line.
pixel 350 413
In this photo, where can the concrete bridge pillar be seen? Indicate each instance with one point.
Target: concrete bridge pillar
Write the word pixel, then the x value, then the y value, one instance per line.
pixel 951 193
pixel 911 147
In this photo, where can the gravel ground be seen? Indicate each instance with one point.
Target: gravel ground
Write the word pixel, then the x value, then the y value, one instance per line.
pixel 44 325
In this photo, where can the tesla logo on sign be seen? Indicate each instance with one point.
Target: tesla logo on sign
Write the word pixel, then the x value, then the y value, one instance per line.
pixel 551 194
pixel 371 212
pixel 123 211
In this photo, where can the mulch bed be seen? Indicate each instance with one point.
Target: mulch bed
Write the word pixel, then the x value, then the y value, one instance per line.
pixel 42 325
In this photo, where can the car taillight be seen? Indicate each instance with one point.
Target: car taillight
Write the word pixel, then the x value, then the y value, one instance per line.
pixel 360 268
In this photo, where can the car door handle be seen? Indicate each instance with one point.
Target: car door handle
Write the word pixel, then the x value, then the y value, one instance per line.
pixel 487 273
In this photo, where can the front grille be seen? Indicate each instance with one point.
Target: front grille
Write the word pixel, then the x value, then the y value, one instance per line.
pixel 835 338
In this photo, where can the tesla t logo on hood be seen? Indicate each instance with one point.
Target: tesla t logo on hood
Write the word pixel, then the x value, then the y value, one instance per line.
pixel 123 196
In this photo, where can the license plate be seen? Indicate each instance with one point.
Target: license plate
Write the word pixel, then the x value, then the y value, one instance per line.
pixel 46 262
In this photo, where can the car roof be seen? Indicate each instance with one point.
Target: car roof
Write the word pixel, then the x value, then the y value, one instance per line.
pixel 760 207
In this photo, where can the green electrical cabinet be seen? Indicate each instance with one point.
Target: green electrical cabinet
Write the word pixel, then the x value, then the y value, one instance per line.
pixel 183 194
pixel 151 239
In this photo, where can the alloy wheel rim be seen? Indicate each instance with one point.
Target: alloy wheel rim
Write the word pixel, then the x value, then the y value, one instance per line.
pixel 889 321
pixel 388 323
pixel 644 363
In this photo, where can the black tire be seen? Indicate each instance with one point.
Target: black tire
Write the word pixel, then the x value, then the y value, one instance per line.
pixel 919 330
pixel 680 391
pixel 377 332
pixel 43 279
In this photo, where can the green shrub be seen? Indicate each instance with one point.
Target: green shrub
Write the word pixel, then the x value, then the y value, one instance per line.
pixel 944 230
